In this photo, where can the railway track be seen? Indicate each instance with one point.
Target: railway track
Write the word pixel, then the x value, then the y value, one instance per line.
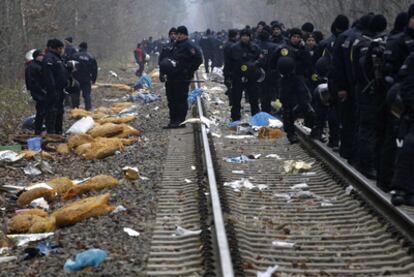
pixel 325 222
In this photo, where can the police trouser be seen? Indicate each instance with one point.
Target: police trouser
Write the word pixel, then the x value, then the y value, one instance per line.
pixel 266 94
pixel 236 96
pixel 367 129
pixel 347 115
pixel 86 89
pixel 327 113
pixel 291 113
pixel 177 93
pixel 387 153
pixel 207 58
pixel 54 113
pixel 41 109
pixel 404 167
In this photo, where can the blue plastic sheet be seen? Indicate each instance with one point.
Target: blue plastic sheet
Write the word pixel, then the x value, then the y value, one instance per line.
pixel 261 119
pixel 145 97
pixel 89 258
pixel 192 97
pixel 234 124
pixel 143 82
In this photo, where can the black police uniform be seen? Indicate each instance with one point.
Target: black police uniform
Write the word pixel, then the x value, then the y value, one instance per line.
pixel 227 66
pixel 55 78
pixel 34 84
pixel 207 44
pixel 86 74
pixel 188 58
pixel 267 88
pixel 244 60
pixel 70 51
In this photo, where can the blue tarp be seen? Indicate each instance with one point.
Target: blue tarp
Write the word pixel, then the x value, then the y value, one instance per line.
pixel 192 97
pixel 261 119
pixel 143 82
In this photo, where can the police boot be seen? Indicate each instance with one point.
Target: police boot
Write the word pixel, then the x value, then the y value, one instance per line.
pixel 293 139
pixel 370 173
pixel 398 198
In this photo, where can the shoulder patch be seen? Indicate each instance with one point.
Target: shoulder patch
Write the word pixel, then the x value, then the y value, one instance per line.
pixel 284 52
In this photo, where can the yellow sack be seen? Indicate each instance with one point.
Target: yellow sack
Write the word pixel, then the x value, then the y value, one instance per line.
pixel 104 147
pixel 79 113
pixel 128 141
pixel 79 139
pixel 63 149
pixel 128 131
pixel 30 223
pixel 117 107
pixel 117 120
pixel 61 185
pixel 107 130
pixel 94 184
pixel 82 149
pixel 269 133
pixel 83 209
pixel 28 196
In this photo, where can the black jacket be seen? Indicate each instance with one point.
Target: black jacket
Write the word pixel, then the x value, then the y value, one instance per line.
pixel 300 55
pixel 227 58
pixel 34 83
pixel 242 57
pixel 188 58
pixel 397 51
pixel 54 73
pixel 87 69
pixel 69 52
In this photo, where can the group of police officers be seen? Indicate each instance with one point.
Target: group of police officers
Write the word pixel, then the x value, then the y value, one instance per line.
pixel 58 74
pixel 358 82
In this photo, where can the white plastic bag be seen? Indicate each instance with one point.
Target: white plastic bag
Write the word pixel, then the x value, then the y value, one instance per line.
pixel 82 126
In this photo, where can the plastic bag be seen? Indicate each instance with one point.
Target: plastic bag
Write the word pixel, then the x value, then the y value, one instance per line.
pixel 81 126
pixel 143 82
pixel 83 209
pixel 89 258
pixel 145 97
pixel 262 119
pixel 192 97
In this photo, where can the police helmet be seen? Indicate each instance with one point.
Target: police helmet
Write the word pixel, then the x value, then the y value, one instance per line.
pixel 322 66
pixel 286 66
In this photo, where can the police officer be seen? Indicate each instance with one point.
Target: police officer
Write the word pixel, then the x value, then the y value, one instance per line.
pixel 166 52
pixel 34 84
pixel 207 44
pixel 86 74
pixel 232 39
pixel 266 88
pixel 186 59
pixel 367 61
pixel 404 169
pixel 277 34
pixel 244 63
pixel 55 78
pixel 69 49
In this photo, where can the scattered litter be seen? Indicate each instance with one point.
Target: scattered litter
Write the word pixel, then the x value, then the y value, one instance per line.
pixel 283 244
pixel 131 232
pixel 119 209
pixel 242 130
pixel 234 124
pixel 216 135
pixel 275 123
pixel 46 248
pixel 299 186
pixel 40 203
pixel 192 97
pixel 254 156
pixel 3 250
pixel 286 196
pixel 240 137
pixel 276 105
pixel 26 238
pixel 31 171
pixel 89 258
pixel 244 183
pixel 349 190
pixel 131 111
pixel 326 204
pixel 274 156
pixel 204 120
pixel 237 160
pixel 182 232
pixel 193 167
pixel 81 126
pixel 143 178
pixel 10 156
pixel 269 271
pixel 238 172
pixel 156 108
pixel 7 259
pixel 309 174
pixel 292 166
pixel 145 97
pixel 144 82
pixel 34 144
pixel 188 181
pixel 131 173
